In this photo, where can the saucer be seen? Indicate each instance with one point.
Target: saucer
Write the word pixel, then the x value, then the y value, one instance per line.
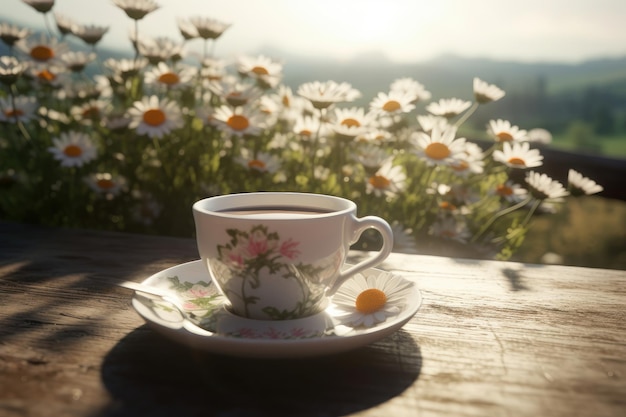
pixel 209 325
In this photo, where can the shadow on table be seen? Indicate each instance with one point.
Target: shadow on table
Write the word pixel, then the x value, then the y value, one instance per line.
pixel 147 374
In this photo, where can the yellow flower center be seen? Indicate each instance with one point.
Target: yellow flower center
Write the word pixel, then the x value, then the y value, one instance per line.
pixel 13 113
pixel 238 122
pixel 305 132
pixel 91 113
pixel 46 75
pixel 460 166
pixel 437 150
pixel 517 161
pixel 379 181
pixel 105 183
pixel 370 301
pixel 42 53
pixel 286 102
pixel 154 117
pixel 351 123
pixel 169 78
pixel 73 151
pixel 391 106
pixel 256 164
pixel 260 71
pixel 446 205
pixel 504 190
pixel 504 136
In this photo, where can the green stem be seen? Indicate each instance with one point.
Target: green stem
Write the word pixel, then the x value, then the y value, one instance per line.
pixel 501 213
pixel 466 115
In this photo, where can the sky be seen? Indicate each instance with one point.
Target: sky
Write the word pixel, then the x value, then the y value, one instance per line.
pixel 568 31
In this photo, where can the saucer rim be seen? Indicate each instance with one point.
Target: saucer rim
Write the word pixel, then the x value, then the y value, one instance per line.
pixel 194 336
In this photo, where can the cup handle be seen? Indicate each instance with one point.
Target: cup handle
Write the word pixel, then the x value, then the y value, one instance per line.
pixel 361 224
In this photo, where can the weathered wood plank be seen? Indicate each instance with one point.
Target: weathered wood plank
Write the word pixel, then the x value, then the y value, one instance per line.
pixel 492 338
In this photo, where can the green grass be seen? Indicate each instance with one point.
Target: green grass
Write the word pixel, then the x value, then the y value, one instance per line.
pixel 589 231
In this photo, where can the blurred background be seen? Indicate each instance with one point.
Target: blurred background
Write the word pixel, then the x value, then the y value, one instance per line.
pixel 561 62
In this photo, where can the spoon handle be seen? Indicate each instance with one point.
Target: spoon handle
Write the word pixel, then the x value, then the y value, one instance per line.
pixel 147 289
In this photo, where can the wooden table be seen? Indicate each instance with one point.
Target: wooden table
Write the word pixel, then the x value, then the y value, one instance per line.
pixel 491 339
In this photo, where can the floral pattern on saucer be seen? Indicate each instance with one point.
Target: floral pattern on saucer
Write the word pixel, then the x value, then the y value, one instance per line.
pixel 349 312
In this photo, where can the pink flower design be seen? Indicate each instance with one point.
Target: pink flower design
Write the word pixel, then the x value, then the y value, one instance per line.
pixel 256 247
pixel 234 257
pixel 288 249
pixel 298 332
pixel 272 333
pixel 198 292
pixel 248 333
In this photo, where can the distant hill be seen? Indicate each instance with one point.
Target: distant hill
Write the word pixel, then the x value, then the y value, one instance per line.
pixel 450 75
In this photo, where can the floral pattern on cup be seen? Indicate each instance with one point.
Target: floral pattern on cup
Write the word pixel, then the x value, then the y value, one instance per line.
pixel 252 254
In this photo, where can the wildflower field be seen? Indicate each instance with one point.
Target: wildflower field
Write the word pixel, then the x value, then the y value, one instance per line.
pixel 133 146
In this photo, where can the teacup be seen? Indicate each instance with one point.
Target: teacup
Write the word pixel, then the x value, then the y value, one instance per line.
pixel 281 255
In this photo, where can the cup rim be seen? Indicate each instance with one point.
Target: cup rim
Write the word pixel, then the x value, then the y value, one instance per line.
pixel 220 205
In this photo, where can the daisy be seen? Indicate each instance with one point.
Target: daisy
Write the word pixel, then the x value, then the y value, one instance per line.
pixel 542 187
pixel 403 239
pixel 412 88
pixel 10 70
pixel 49 76
pixel 106 184
pixel 324 94
pixel 64 24
pixel 146 210
pixel 22 109
pixel 539 135
pixel 429 122
pixel 388 181
pixel 262 162
pixel 43 49
pixel 518 155
pixel 234 91
pixel 485 92
pixel 42 6
pixel 470 161
pixel 448 108
pixel 392 103
pixel 450 228
pixel 90 111
pixel 375 136
pixel 10 34
pixel 364 302
pixel 511 192
pixel 117 123
pixel 350 122
pixel 187 29
pixel 169 77
pixel 83 90
pixel 160 49
pixel 77 61
pixel 207 28
pixel 73 149
pixel 136 9
pixel 154 117
pixel 123 69
pixel 371 156
pixel 503 131
pixel 440 147
pixel 264 70
pixel 212 69
pixel 90 34
pixel 239 121
pixel 308 127
pixel 579 185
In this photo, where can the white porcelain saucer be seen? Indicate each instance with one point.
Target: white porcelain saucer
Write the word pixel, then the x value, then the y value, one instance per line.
pixel 210 326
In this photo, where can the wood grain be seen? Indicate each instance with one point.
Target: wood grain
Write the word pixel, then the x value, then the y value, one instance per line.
pixel 491 339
